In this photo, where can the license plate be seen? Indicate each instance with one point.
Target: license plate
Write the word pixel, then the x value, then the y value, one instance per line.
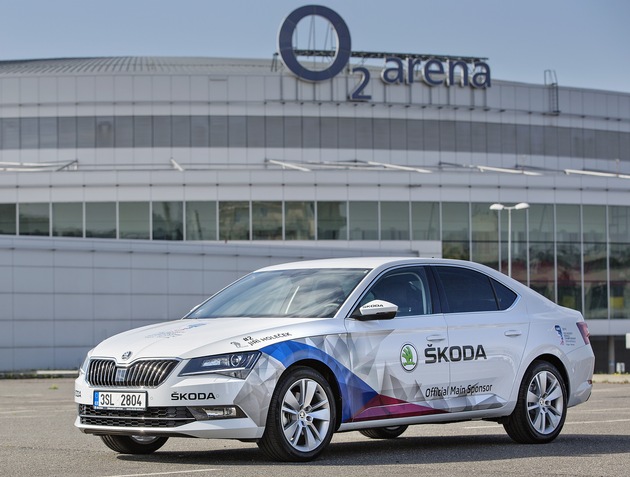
pixel 117 400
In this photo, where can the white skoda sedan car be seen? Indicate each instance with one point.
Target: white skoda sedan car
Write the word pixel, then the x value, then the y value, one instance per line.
pixel 290 354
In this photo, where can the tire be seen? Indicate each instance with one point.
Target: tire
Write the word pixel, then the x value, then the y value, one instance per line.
pixel 541 407
pixel 301 419
pixel 134 444
pixel 391 432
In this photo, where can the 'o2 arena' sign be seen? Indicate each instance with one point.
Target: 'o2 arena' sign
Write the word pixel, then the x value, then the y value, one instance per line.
pixel 433 70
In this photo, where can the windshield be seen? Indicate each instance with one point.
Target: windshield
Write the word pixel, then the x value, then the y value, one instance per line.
pixel 309 293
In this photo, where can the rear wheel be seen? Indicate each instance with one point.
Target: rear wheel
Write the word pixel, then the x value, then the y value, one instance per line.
pixel 134 444
pixel 390 432
pixel 301 418
pixel 541 408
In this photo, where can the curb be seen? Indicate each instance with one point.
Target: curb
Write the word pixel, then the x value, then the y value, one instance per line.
pixel 41 374
pixel 611 378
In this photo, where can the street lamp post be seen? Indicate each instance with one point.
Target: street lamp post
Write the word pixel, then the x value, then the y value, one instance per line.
pixel 499 208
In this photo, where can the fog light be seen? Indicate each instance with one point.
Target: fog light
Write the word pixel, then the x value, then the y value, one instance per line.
pixel 219 412
pixel 216 412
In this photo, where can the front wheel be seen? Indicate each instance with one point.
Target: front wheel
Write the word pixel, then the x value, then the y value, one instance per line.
pixel 541 407
pixel 301 418
pixel 134 444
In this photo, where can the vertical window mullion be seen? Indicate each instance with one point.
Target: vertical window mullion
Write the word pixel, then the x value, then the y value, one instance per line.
pixel 527 245
pixel 583 289
pixel 184 222
pixel 555 254
pixel 379 234
pixel 608 252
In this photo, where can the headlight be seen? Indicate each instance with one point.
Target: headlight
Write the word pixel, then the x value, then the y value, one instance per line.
pixel 235 365
pixel 84 367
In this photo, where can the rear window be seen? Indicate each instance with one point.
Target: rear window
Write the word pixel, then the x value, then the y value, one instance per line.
pixel 505 296
pixel 468 291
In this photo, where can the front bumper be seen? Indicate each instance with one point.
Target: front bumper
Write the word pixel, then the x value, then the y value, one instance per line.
pixel 242 428
pixel 177 407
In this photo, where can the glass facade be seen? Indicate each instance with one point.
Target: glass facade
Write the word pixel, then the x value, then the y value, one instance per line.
pixel 542 262
pixel 67 219
pixel 299 220
pixel 234 220
pixel 168 220
pixel 576 255
pixel 311 132
pixel 267 220
pixel 484 234
pixel 619 253
pixel 394 221
pixel 456 230
pixel 595 262
pixel 332 220
pixel 568 256
pixel 201 220
pixel 7 219
pixel 100 219
pixel 134 220
pixel 425 220
pixel 363 220
pixel 34 219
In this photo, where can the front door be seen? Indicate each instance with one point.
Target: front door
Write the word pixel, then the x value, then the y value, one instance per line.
pixel 389 355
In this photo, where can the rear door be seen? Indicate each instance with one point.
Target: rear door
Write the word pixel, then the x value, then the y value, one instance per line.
pixel 389 354
pixel 487 333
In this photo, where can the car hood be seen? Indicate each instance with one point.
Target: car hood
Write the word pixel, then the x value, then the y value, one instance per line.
pixel 189 338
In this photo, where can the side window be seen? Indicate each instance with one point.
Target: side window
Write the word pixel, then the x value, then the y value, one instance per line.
pixel 505 296
pixel 406 288
pixel 467 290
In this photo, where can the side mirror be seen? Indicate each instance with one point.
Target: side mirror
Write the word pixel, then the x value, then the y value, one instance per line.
pixel 376 310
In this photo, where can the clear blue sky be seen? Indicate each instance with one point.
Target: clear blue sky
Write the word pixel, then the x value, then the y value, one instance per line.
pixel 587 42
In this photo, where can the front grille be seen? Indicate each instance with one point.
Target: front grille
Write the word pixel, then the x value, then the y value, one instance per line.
pixel 162 417
pixel 147 374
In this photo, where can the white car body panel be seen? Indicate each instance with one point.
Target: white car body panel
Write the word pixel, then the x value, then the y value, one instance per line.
pixel 379 380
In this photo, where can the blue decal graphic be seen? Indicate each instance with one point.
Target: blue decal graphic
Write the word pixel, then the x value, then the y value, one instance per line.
pixel 560 334
pixel 360 402
pixel 356 393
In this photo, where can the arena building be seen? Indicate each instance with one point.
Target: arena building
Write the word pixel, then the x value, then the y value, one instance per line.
pixel 133 187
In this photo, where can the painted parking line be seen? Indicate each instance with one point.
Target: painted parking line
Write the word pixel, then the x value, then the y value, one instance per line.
pixel 165 473
pixel 607 421
pixel 597 422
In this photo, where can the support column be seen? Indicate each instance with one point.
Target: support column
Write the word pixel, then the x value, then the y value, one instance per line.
pixel 611 355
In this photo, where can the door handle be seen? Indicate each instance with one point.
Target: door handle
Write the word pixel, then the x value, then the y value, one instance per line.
pixel 436 338
pixel 513 333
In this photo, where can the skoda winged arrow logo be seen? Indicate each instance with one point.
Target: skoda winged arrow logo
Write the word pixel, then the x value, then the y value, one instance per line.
pixel 126 355
pixel 408 357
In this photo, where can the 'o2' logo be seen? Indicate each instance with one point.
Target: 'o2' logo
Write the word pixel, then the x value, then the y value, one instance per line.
pixel 285 44
pixel 433 71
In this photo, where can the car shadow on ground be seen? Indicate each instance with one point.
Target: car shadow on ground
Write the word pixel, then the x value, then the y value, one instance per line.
pixel 408 450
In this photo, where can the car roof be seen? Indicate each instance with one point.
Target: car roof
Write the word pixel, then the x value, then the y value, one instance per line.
pixel 368 262
pixel 383 263
pixel 349 262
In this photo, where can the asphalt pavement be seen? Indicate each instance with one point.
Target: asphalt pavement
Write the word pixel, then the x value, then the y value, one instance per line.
pixel 37 438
